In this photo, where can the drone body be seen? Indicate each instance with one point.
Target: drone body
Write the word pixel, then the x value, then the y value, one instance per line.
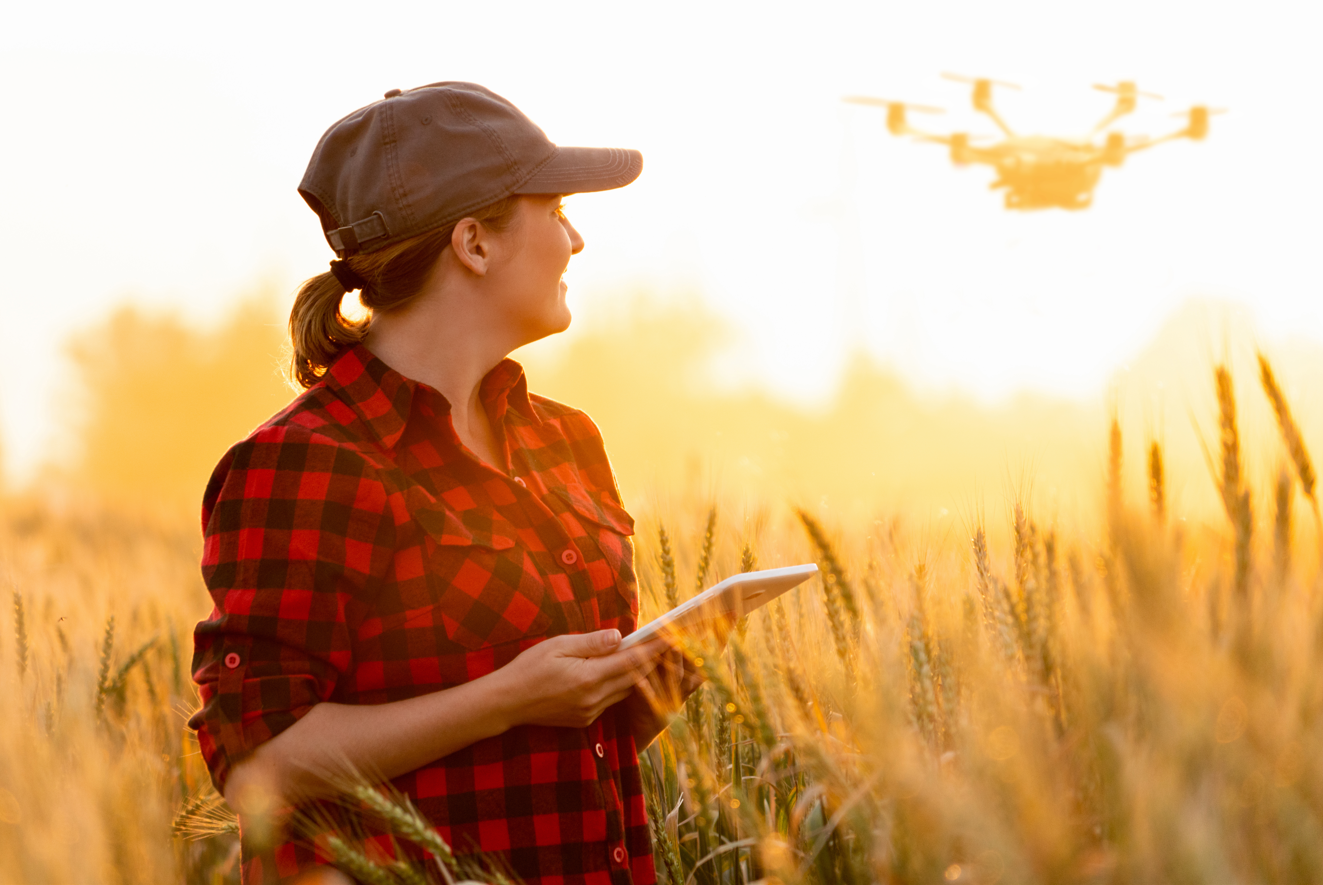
pixel 1039 172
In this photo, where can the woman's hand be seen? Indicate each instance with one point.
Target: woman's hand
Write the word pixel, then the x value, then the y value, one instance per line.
pixel 569 680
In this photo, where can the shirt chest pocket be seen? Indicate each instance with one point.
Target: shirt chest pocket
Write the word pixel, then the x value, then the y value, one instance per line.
pixel 486 588
pixel 610 558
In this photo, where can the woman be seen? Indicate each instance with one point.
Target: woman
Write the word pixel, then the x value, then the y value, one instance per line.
pixel 420 570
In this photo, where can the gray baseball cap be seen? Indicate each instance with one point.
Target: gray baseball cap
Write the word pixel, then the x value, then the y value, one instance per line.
pixel 424 158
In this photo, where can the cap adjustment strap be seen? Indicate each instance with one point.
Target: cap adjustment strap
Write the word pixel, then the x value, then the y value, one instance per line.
pixel 348 240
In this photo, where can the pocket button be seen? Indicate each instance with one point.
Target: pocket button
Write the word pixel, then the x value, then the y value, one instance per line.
pixel 569 557
pixel 231 660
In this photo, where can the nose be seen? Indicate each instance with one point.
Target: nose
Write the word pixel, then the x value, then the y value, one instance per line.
pixel 576 241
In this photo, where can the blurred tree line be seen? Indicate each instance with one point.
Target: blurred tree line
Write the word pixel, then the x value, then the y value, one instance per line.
pixel 160 400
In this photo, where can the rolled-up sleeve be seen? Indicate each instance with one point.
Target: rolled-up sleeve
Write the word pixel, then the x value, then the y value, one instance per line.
pixel 297 533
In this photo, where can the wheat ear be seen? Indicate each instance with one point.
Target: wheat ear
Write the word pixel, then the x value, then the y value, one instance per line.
pixel 20 635
pixel 705 554
pixel 1291 436
pixel 667 560
pixel 103 675
pixel 1157 483
pixel 1235 497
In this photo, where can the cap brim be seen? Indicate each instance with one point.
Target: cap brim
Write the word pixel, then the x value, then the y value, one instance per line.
pixel 580 170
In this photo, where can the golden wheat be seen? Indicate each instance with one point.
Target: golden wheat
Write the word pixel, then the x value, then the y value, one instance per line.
pixel 1291 435
pixel 1032 703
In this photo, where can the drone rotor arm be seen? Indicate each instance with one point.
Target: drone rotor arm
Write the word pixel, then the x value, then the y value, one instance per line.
pixel 1115 114
pixel 996 118
pixel 928 137
pixel 1154 142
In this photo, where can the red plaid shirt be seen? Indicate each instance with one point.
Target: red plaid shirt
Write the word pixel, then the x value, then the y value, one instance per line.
pixel 358 553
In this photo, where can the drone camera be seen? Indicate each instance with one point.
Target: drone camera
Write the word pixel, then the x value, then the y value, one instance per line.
pixel 1113 153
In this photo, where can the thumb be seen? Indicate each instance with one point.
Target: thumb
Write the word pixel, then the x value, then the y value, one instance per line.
pixel 592 645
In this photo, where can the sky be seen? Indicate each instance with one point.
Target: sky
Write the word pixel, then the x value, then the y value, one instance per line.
pixel 151 153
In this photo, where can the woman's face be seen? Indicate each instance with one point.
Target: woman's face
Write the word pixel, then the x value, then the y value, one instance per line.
pixel 529 290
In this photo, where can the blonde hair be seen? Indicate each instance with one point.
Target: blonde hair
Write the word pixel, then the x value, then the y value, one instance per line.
pixel 393 275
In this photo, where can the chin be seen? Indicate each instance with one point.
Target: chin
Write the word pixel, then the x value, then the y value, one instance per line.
pixel 553 326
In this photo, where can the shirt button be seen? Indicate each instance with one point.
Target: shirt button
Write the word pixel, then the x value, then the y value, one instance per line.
pixel 619 854
pixel 600 751
pixel 569 557
pixel 231 660
pixel 520 480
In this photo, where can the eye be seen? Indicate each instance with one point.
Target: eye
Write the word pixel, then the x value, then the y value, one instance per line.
pixel 560 211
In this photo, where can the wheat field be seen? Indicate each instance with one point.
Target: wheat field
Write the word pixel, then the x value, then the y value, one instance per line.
pixel 1015 700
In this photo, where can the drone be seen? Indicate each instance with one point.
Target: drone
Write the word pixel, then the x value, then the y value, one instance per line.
pixel 1035 171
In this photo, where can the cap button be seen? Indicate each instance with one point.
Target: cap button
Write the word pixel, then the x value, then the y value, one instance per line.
pixel 393 93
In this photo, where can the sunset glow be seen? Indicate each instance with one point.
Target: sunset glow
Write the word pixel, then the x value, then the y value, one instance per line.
pixel 155 152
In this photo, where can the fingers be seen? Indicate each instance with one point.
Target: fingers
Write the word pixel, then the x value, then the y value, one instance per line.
pixel 589 645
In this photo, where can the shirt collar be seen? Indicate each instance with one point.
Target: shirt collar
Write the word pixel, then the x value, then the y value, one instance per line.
pixel 506 387
pixel 383 398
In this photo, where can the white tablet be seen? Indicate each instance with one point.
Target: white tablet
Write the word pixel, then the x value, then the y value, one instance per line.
pixel 734 597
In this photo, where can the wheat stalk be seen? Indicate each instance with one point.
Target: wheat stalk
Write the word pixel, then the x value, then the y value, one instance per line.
pixel 753 690
pixel 928 662
pixel 103 673
pixel 20 635
pixel 357 864
pixel 748 559
pixel 1282 524
pixel 398 812
pixel 705 554
pixel 789 660
pixel 835 578
pixel 997 615
pixel 1157 491
pixel 667 560
pixel 1115 493
pixel 1291 436
pixel 116 685
pixel 923 697
pixel 661 839
pixel 1024 578
pixel 204 816
pixel 1235 496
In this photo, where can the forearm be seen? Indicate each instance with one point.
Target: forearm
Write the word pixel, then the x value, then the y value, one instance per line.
pixel 565 681
pixel 382 740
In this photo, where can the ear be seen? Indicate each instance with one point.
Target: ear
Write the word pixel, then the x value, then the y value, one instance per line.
pixel 471 243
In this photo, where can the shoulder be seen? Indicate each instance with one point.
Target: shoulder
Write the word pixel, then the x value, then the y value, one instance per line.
pixel 308 450
pixel 573 423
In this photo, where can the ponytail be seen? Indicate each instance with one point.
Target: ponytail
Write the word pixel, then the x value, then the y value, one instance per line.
pixel 392 276
pixel 318 330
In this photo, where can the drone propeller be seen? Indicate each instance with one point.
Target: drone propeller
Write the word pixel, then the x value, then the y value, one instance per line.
pixel 961 78
pixel 1197 128
pixel 1126 89
pixel 886 103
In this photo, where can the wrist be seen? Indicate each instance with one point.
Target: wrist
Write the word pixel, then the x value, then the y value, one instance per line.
pixel 503 698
